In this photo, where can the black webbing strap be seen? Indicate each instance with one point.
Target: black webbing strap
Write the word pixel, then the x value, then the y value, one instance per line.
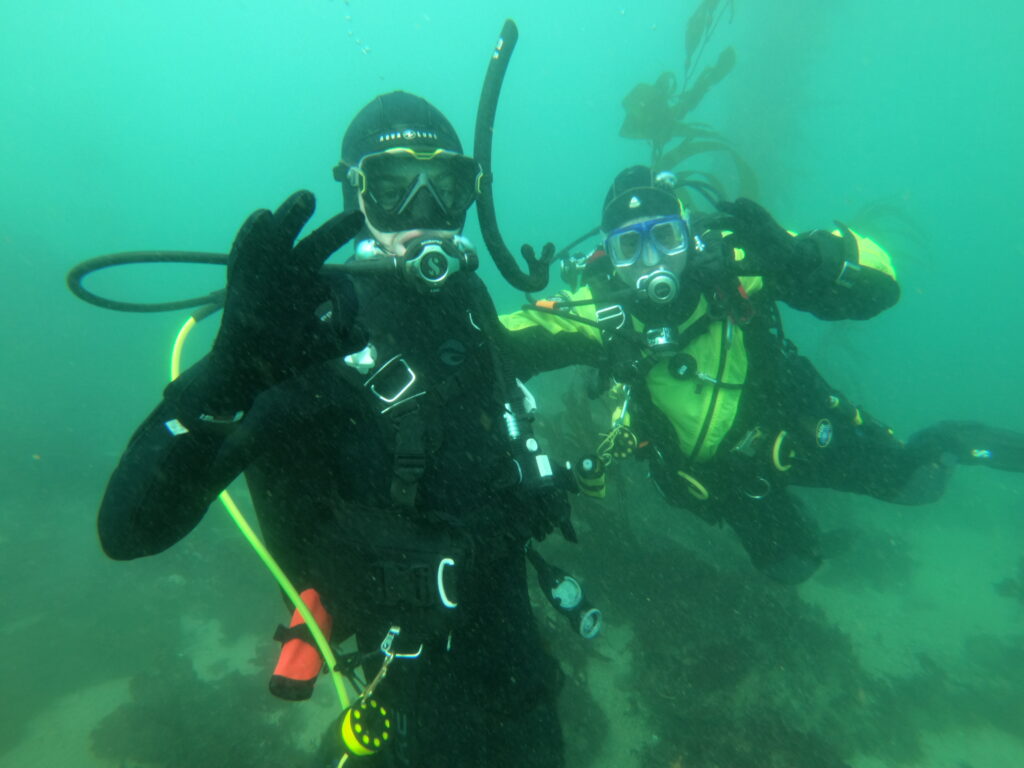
pixel 409 422
pixel 301 631
pixel 410 452
pixel 393 390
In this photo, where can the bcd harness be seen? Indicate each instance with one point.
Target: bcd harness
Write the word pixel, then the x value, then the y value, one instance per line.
pixel 413 579
pixel 633 354
pixel 762 432
pixel 409 408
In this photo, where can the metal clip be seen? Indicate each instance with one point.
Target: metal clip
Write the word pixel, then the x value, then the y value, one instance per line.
pixel 847 275
pixel 389 656
pixel 748 444
pixel 606 316
pixel 661 341
pixel 389 640
pixel 702 379
pixel 627 395
pixel 391 398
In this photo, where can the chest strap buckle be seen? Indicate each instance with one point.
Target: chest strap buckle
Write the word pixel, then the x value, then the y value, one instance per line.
pixel 612 317
pixel 392 380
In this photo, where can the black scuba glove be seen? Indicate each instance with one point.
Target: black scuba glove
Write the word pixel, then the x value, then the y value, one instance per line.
pixel 771 251
pixel 276 319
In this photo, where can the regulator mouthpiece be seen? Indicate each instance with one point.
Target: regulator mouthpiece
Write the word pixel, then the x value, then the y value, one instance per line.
pixel 658 287
pixel 430 261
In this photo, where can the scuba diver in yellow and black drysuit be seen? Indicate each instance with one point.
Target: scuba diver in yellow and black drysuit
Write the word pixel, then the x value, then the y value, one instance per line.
pixel 681 316
pixel 387 448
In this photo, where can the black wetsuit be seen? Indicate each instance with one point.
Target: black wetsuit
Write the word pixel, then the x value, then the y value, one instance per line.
pixel 321 462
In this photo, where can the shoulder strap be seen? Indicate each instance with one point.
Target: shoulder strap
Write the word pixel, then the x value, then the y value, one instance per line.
pixel 393 391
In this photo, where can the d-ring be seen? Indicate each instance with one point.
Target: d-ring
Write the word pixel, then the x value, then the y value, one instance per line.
pixel 445 601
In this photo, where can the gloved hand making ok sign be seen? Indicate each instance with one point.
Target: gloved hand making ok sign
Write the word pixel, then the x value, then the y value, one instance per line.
pixel 280 313
pixel 771 251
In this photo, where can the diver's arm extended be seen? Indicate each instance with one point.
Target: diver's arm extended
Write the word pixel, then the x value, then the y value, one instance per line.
pixel 847 277
pixel 536 341
pixel 172 470
pixel 833 275
pixel 180 459
pixel 272 330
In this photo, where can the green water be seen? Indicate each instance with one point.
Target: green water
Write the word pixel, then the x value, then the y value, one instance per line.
pixel 136 125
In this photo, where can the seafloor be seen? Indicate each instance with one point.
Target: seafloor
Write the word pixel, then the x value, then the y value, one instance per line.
pixel 906 649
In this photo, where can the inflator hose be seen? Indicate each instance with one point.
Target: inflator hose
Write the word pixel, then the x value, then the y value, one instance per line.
pixel 209 303
pixel 79 271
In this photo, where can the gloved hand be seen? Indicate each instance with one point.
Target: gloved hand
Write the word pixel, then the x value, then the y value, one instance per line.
pixel 546 511
pixel 969 442
pixel 769 250
pixel 271 327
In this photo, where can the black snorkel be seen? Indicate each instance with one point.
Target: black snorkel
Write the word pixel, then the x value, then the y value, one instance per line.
pixel 430 272
pixel 537 278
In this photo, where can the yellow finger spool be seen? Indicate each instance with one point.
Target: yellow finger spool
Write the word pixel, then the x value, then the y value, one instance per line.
pixel 365 728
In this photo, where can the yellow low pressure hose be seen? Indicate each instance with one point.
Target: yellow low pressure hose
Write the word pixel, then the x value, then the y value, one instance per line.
pixel 261 550
pixel 179 344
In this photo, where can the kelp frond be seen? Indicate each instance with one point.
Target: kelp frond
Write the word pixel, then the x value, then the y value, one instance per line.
pixel 657 112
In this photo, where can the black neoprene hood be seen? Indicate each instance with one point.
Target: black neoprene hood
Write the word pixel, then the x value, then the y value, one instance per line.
pixel 397 119
pixel 635 195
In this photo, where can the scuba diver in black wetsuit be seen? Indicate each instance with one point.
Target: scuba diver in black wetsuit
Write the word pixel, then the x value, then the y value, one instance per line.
pixel 386 445
pixel 681 315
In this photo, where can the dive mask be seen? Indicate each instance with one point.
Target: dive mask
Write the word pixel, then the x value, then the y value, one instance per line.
pixel 403 189
pixel 649 241
pixel 653 253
